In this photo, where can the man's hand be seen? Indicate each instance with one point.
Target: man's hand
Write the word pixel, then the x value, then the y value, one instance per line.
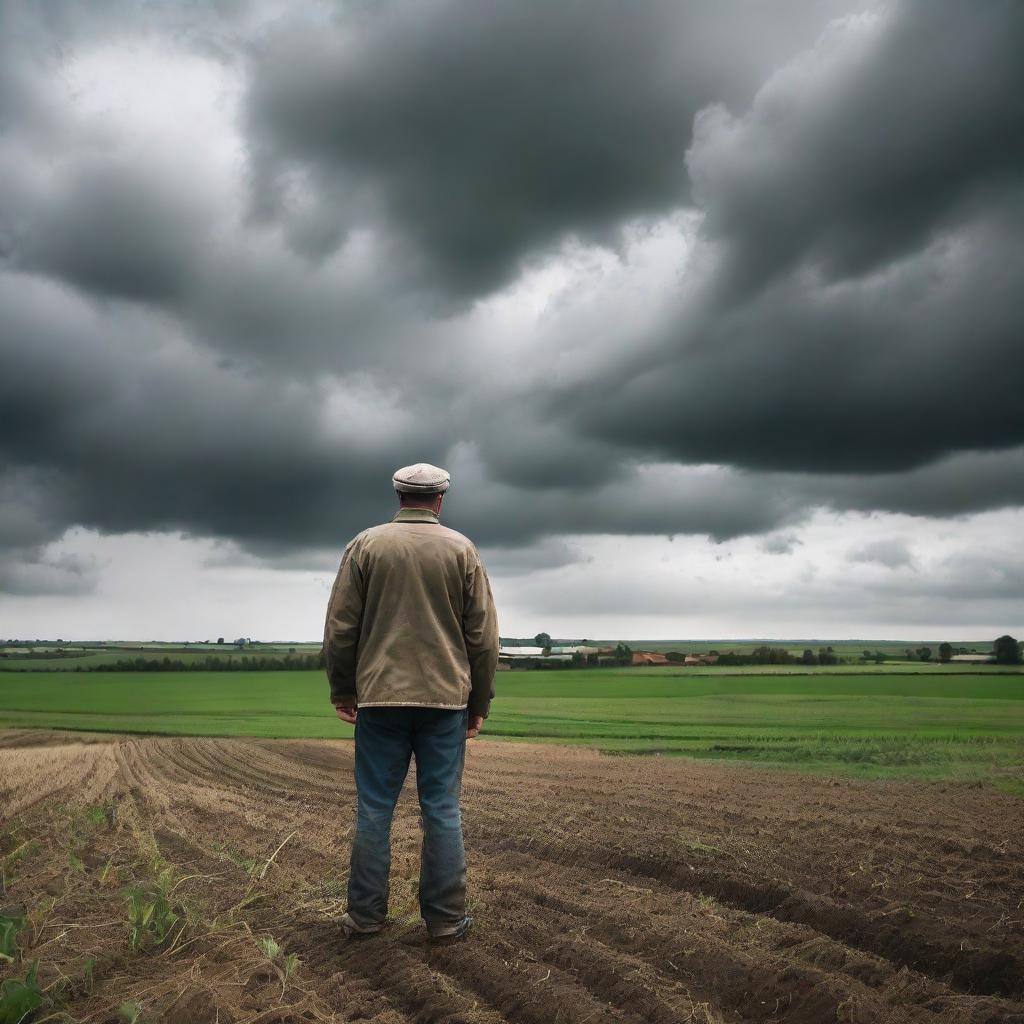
pixel 474 725
pixel 347 712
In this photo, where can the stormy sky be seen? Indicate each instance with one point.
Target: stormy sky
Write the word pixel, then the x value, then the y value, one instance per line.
pixel 712 310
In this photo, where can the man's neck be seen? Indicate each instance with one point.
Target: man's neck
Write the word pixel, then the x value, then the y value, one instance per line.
pixel 418 511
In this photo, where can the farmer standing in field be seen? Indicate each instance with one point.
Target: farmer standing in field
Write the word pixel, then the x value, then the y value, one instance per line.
pixel 411 644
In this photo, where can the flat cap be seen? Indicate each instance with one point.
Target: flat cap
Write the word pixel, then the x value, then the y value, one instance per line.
pixel 421 478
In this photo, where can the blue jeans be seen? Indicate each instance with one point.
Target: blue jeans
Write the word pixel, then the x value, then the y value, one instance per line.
pixel 386 738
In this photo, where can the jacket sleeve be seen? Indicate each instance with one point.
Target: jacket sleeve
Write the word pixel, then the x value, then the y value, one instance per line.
pixel 341 630
pixel 480 628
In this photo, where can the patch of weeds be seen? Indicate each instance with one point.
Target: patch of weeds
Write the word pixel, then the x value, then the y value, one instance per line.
pixel 10 927
pixel 132 1013
pixel 109 871
pixel 39 915
pixel 89 975
pixel 99 816
pixel 151 917
pixel 701 847
pixel 286 965
pixel 20 997
pixel 83 825
pixel 20 849
pixel 249 866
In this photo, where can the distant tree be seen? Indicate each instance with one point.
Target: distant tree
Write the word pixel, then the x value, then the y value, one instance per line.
pixel 867 655
pixel 826 656
pixel 713 653
pixel 578 658
pixel 924 653
pixel 1007 651
pixel 676 656
pixel 945 651
pixel 809 657
pixel 542 640
pixel 623 654
pixel 220 639
pixel 909 653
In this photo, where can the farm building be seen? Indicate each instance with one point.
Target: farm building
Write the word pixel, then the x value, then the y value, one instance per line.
pixel 700 659
pixel 971 657
pixel 649 658
pixel 574 650
pixel 520 652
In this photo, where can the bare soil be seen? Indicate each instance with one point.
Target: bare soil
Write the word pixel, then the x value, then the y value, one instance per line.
pixel 603 888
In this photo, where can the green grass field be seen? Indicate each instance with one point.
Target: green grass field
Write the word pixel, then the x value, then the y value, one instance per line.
pixel 80 657
pixel 932 724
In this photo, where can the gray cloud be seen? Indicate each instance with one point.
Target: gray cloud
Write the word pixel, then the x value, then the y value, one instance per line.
pixel 892 552
pixel 482 133
pixel 863 148
pixel 780 544
pixel 246 350
pixel 119 229
pixel 860 261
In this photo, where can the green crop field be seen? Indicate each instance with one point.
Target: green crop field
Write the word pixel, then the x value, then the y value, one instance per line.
pixel 80 658
pixel 930 724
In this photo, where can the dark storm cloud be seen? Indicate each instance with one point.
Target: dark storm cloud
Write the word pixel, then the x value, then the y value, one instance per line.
pixel 863 149
pixel 484 132
pixel 254 367
pixel 873 375
pixel 860 263
pixel 125 230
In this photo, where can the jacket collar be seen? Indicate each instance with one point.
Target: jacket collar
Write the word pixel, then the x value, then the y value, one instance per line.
pixel 415 515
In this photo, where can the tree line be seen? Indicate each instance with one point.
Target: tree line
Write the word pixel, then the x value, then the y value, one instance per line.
pixel 246 663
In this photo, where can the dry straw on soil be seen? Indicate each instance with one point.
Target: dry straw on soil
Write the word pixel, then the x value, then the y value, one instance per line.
pixel 603 889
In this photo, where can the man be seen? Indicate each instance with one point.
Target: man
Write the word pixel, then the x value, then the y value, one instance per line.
pixel 411 643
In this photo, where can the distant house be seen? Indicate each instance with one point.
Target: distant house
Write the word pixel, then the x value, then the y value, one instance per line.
pixel 649 658
pixel 971 657
pixel 700 659
pixel 574 650
pixel 520 652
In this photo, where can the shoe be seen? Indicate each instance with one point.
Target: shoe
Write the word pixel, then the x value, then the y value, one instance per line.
pixel 357 931
pixel 455 931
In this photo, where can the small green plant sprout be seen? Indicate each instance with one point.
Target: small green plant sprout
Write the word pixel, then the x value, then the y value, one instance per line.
pixel 108 871
pixel 291 964
pixel 89 975
pixel 285 966
pixel 132 1013
pixel 151 918
pixel 20 997
pixel 250 867
pixel 9 929
pixel 99 816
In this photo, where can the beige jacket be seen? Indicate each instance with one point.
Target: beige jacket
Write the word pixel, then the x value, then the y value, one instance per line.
pixel 411 620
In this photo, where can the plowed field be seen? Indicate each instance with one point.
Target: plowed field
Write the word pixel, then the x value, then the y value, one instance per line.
pixel 603 889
